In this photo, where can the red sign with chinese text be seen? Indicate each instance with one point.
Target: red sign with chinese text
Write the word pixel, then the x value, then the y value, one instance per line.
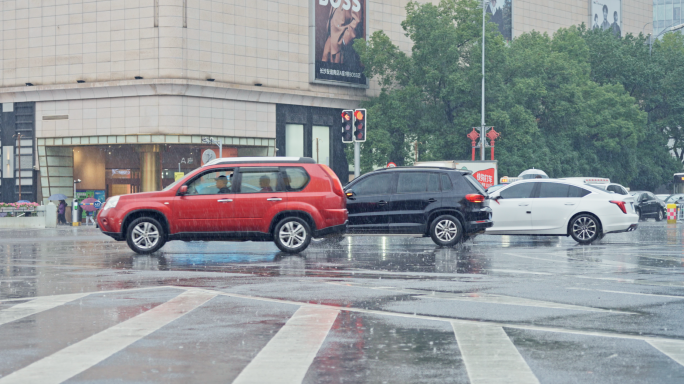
pixel 485 177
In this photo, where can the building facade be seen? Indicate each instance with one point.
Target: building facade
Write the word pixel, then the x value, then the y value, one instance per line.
pixel 121 93
pixel 667 13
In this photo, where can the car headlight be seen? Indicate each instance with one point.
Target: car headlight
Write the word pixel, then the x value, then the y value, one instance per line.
pixel 111 202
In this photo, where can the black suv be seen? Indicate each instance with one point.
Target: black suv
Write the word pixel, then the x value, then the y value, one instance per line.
pixel 447 204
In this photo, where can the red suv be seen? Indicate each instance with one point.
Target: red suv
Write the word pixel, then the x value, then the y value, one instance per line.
pixel 285 199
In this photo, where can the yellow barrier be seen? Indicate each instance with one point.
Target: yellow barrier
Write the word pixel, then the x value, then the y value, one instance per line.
pixel 672 213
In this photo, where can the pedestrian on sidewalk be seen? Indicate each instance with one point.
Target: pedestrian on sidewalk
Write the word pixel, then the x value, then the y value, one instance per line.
pixel 61 210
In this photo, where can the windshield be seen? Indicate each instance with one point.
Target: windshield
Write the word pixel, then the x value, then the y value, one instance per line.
pixel 174 184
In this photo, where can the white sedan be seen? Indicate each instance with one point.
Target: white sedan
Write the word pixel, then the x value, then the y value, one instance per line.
pixel 560 208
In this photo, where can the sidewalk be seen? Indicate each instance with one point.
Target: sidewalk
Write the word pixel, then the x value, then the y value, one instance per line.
pixel 61 233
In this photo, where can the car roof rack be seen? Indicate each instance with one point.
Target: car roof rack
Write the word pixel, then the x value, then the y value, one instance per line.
pixel 261 160
pixel 422 167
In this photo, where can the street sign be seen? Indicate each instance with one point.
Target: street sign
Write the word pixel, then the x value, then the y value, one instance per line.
pixel 178 175
pixel 391 164
pixel 97 204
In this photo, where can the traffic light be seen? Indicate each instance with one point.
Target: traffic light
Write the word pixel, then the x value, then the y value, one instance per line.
pixel 347 133
pixel 360 125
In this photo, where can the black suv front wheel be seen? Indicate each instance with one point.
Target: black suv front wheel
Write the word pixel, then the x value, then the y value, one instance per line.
pixel 446 230
pixel 145 235
pixel 292 235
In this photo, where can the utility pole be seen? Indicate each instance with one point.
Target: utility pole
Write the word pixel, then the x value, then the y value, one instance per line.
pixel 415 150
pixel 357 159
pixel 482 122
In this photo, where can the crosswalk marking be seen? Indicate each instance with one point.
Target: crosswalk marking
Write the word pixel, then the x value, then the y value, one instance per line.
pixel 37 305
pixel 489 355
pixel 672 348
pixel 287 356
pixel 78 357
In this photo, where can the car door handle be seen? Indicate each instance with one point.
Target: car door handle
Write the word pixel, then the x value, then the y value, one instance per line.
pixel 569 203
pixel 274 199
pixel 523 204
pixel 382 202
pixel 431 200
pixel 225 200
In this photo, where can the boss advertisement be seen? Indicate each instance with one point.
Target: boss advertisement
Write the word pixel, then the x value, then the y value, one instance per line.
pixel 337 24
pixel 607 15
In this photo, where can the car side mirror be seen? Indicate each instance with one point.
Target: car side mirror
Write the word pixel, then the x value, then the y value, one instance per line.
pixel 350 194
pixel 183 190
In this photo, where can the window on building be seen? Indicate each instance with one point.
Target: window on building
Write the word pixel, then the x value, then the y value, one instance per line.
pixel 294 140
pixel 320 144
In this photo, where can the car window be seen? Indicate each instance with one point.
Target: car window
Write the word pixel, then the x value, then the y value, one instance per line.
pixel 517 191
pixel 648 197
pixel 574 191
pixel 551 190
pixel 446 183
pixel 478 187
pixel 373 185
pixel 412 182
pixel 216 182
pixel 294 178
pixel 259 180
pixel 433 183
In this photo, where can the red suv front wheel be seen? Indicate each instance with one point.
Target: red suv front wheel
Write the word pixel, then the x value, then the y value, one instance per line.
pixel 292 235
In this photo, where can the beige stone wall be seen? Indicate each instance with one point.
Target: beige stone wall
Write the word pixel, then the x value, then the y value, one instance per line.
pixel 182 115
pixel 546 16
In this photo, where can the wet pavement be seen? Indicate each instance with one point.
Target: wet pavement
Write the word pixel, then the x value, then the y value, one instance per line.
pixel 76 306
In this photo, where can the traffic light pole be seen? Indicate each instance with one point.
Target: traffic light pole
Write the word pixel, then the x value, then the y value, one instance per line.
pixel 357 159
pixel 482 125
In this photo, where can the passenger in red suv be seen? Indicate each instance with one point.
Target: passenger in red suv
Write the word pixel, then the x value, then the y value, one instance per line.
pixel 287 200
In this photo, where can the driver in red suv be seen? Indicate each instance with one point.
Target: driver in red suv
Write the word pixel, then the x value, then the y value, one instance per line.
pixel 287 200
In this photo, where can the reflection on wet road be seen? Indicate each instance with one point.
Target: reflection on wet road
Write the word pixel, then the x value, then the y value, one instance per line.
pixel 369 309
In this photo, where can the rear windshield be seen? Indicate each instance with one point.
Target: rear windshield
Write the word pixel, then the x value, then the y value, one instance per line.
pixel 475 184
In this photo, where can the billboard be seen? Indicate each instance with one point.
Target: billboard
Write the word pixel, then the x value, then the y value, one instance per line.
pixel 501 13
pixel 607 14
pixel 335 25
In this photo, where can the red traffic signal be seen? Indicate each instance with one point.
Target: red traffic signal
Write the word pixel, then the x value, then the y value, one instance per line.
pixel 360 125
pixel 347 132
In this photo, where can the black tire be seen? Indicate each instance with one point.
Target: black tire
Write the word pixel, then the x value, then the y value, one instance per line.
pixel 446 230
pixel 661 215
pixel 145 235
pixel 292 235
pixel 585 228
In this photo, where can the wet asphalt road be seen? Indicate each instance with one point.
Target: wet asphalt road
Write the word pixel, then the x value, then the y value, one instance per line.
pixel 76 306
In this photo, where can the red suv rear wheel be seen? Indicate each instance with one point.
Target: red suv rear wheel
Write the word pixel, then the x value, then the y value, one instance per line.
pixel 292 235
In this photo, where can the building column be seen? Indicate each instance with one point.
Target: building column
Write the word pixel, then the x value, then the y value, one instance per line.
pixel 150 174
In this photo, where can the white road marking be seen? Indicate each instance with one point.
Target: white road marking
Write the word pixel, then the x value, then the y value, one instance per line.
pixel 287 356
pixel 57 297
pixel 78 357
pixel 37 305
pixel 628 293
pixel 485 298
pixel 489 355
pixel 672 348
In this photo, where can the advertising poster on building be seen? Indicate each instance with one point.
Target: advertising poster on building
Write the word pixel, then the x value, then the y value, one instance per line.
pixel 607 15
pixel 501 13
pixel 336 25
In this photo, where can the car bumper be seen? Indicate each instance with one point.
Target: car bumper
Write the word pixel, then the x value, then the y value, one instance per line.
pixel 477 226
pixel 631 228
pixel 114 235
pixel 331 231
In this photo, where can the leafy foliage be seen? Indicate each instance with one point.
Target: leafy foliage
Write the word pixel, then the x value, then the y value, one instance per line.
pixel 580 102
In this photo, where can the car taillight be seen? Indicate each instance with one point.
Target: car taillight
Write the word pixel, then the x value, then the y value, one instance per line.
pixel 475 198
pixel 337 185
pixel 620 204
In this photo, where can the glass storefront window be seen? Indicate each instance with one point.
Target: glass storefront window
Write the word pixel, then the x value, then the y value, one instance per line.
pixel 294 140
pixel 320 144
